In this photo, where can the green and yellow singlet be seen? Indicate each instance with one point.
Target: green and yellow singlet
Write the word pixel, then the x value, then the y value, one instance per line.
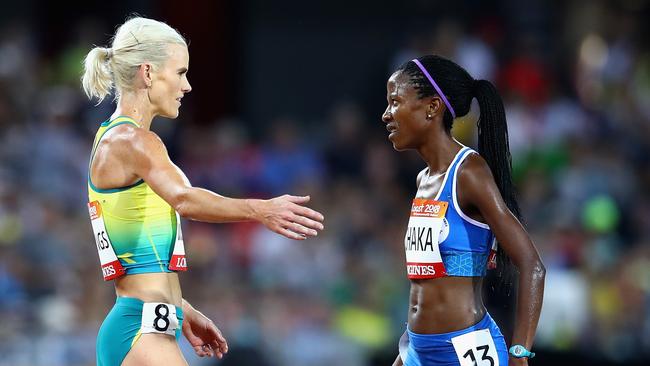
pixel 141 226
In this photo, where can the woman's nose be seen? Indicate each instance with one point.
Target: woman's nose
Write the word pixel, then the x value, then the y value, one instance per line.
pixel 387 116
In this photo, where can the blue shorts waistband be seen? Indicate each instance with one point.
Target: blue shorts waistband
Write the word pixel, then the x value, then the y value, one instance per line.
pixel 136 304
pixel 443 338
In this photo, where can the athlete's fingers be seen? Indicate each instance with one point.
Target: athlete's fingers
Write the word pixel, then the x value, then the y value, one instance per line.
pixel 297 199
pixel 309 213
pixel 215 347
pixel 297 228
pixel 219 349
pixel 219 336
pixel 216 332
pixel 306 222
pixel 290 234
pixel 199 351
pixel 221 343
pixel 209 350
pixel 206 350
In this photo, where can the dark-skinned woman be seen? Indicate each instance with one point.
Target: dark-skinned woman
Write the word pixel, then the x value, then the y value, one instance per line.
pixel 463 207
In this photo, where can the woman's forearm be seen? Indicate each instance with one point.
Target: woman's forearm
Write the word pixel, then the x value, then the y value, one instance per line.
pixel 284 215
pixel 530 293
pixel 203 205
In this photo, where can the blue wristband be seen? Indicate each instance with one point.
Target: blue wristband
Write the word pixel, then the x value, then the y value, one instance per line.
pixel 519 351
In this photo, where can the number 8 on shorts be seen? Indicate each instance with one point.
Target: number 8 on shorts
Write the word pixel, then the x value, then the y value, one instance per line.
pixel 476 349
pixel 158 317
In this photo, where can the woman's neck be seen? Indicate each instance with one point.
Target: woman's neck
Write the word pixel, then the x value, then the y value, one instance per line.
pixel 439 152
pixel 136 106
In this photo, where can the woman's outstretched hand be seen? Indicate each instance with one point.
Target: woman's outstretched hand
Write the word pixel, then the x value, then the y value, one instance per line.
pixel 287 216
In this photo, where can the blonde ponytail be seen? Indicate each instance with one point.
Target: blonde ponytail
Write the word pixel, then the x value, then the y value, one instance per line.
pixel 97 80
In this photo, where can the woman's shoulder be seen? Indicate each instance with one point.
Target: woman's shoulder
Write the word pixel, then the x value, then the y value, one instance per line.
pixel 474 172
pixel 128 134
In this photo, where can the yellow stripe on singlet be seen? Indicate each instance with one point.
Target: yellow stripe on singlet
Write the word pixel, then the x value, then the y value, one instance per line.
pixel 153 246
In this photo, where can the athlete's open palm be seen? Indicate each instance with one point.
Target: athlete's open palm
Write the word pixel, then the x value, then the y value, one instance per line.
pixel 203 335
pixel 285 215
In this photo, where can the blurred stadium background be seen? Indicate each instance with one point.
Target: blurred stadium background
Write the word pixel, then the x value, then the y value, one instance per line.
pixel 287 98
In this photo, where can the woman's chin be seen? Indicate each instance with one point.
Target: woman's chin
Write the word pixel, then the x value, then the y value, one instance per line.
pixel 396 144
pixel 172 114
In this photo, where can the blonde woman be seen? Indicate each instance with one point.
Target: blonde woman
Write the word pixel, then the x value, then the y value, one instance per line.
pixel 137 195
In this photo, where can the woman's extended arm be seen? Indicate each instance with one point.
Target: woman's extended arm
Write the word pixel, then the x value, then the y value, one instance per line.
pixel 142 154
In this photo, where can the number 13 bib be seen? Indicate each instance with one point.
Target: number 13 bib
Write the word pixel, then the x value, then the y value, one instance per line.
pixel 422 238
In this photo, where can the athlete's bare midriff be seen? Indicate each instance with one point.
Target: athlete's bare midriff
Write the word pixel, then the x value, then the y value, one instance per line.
pixel 151 287
pixel 445 304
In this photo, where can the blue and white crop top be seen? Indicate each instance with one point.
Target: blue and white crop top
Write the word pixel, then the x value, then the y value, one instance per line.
pixel 464 243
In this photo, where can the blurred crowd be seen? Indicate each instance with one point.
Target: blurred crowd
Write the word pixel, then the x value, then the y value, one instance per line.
pixel 579 125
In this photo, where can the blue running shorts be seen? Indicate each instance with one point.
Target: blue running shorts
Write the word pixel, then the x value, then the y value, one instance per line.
pixel 480 344
pixel 121 329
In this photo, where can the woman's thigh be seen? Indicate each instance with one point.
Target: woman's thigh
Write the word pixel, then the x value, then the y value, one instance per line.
pixel 155 350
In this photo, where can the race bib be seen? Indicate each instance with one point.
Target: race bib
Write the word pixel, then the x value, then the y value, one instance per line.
pixel 158 317
pixel 476 349
pixel 422 239
pixel 111 267
pixel 178 261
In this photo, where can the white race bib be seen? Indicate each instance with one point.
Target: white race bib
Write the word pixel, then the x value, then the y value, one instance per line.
pixel 111 267
pixel 158 317
pixel 422 239
pixel 476 349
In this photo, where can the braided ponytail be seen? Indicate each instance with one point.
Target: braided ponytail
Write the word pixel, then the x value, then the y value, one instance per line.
pixel 493 141
pixel 493 146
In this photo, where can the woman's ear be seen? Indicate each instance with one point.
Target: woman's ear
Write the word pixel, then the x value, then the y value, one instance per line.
pixel 434 107
pixel 144 73
pixel 147 73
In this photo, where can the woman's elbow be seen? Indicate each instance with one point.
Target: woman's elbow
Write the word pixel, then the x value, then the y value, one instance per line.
pixel 181 202
pixel 539 270
pixel 533 267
